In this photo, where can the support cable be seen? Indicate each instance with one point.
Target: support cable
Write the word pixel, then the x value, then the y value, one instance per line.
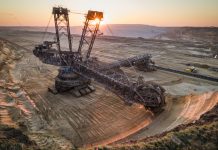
pixel 46 29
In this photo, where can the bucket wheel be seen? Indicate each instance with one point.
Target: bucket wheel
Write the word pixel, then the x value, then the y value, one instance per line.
pixel 149 96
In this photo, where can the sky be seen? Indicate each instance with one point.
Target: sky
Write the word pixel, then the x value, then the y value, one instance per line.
pixel 149 12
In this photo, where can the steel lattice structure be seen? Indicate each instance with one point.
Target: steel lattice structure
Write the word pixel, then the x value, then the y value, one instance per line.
pixel 76 71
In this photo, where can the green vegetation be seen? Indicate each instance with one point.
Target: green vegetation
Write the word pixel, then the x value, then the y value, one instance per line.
pixel 195 137
pixel 14 139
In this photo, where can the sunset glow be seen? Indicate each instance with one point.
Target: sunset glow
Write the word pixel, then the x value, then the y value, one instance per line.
pixel 151 12
pixel 96 21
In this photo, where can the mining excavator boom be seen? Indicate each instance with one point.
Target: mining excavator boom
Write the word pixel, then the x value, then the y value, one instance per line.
pixel 77 70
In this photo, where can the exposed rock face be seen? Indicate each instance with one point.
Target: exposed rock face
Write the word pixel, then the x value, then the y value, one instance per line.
pixel 11 136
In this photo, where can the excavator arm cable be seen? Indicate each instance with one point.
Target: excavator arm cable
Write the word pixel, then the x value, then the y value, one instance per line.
pixel 46 29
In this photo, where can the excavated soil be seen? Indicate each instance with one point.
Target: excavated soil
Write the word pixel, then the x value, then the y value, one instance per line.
pixel 62 121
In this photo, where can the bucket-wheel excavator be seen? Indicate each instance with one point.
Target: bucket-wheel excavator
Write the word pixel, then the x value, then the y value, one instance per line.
pixel 78 68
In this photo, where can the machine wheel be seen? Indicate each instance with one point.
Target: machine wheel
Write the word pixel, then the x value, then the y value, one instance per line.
pixel 149 97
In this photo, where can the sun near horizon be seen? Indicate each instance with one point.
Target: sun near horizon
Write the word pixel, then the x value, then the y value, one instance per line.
pixel 150 12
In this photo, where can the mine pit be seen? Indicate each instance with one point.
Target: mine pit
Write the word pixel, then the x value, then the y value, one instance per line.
pixel 59 94
pixel 101 117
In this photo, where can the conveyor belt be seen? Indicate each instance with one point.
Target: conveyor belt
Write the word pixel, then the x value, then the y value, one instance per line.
pixel 196 75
